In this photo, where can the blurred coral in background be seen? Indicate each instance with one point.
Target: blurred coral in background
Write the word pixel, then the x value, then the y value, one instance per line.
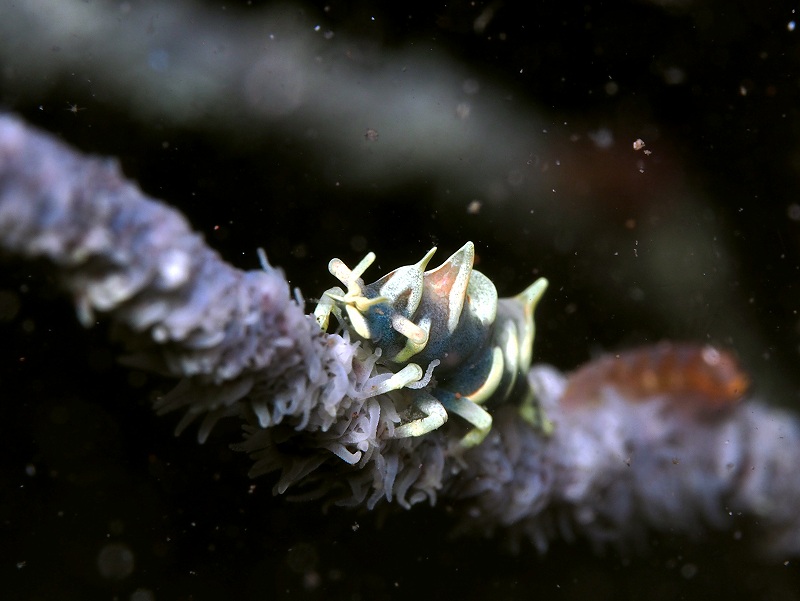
pixel 321 130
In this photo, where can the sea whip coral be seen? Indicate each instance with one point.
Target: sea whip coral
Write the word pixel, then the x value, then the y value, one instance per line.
pixel 611 468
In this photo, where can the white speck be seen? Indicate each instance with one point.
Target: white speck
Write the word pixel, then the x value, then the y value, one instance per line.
pixel 674 75
pixel 142 594
pixel 602 138
pixel 790 25
pixel 471 86
pixel 174 268
pixel 115 561
pixel 317 28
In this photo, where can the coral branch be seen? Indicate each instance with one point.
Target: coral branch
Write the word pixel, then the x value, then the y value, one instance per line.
pixel 242 347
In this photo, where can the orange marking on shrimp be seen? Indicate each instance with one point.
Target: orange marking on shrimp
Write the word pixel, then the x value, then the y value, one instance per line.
pixel 691 375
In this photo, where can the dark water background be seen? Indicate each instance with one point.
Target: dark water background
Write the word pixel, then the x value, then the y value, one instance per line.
pixel 88 472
